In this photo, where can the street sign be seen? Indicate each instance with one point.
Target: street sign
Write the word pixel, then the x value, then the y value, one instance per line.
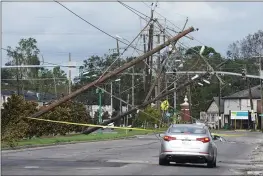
pixel 239 115
pixel 261 115
pixel 165 105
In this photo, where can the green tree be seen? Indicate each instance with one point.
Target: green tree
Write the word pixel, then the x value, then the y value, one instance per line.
pixel 26 53
pixel 54 81
pixel 149 116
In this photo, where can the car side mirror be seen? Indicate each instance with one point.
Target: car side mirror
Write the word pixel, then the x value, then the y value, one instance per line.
pixel 216 137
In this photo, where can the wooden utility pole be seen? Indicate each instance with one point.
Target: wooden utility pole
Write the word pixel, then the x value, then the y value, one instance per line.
pixel 219 102
pixel 109 75
pixel 119 61
pixel 69 75
pixel 250 96
pixel 145 71
pixel 149 59
pixel 158 77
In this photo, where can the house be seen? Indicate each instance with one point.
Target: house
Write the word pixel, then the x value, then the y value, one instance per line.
pixel 212 117
pixel 237 107
pixel 93 108
pixel 40 98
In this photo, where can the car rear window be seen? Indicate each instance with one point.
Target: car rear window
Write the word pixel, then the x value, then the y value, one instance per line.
pixel 191 130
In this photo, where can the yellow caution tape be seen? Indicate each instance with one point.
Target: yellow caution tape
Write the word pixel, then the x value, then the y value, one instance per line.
pixel 91 125
pixel 124 128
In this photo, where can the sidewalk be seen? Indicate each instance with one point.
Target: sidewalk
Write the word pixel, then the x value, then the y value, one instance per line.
pixel 257 160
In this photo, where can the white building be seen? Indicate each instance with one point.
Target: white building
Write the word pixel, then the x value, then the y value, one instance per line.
pixel 93 108
pixel 240 102
pixel 212 116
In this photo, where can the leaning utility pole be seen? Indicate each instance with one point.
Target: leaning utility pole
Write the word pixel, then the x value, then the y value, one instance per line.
pixel 113 73
pixel 167 92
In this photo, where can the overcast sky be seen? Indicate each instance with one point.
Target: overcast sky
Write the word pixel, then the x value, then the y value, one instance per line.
pixel 59 32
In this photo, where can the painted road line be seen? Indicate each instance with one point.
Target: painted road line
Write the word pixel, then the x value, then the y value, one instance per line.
pixel 31 167
pixel 88 168
pixel 128 161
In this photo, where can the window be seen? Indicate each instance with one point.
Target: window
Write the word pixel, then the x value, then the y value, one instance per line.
pixel 186 129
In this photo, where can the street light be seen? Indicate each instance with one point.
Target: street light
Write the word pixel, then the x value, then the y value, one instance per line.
pixel 85 73
pixel 207 82
pixel 201 84
pixel 196 76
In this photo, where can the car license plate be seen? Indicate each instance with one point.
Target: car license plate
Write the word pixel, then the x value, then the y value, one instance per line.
pixel 186 142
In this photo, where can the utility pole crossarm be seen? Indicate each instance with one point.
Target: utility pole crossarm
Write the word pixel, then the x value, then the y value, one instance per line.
pixel 112 74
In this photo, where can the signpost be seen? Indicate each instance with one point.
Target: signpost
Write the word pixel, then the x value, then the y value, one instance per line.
pixel 239 115
pixel 165 106
pixel 100 92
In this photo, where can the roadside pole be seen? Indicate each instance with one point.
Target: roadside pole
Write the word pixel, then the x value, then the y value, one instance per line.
pixel 100 91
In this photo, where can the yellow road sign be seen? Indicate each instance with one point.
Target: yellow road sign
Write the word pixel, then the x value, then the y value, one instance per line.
pixel 165 105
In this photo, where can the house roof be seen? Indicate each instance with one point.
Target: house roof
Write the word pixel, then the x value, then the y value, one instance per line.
pixel 7 92
pixel 31 95
pixel 256 94
pixel 216 100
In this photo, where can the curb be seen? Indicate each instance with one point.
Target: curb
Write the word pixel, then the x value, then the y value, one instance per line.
pixel 44 146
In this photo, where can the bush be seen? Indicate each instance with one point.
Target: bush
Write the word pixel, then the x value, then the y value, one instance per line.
pixel 13 122
pixel 15 125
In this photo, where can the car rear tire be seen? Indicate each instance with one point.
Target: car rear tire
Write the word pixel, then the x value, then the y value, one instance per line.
pixel 215 163
pixel 210 164
pixel 163 162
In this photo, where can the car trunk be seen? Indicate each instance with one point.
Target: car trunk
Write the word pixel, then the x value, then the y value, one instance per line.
pixel 187 143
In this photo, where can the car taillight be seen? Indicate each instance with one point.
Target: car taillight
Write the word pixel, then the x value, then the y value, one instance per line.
pixel 169 138
pixel 204 140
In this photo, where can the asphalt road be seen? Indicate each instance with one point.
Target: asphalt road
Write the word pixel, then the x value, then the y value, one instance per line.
pixel 137 156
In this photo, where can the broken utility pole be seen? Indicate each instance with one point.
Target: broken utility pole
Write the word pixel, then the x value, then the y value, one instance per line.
pixel 182 86
pixel 112 74
pixel 151 101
